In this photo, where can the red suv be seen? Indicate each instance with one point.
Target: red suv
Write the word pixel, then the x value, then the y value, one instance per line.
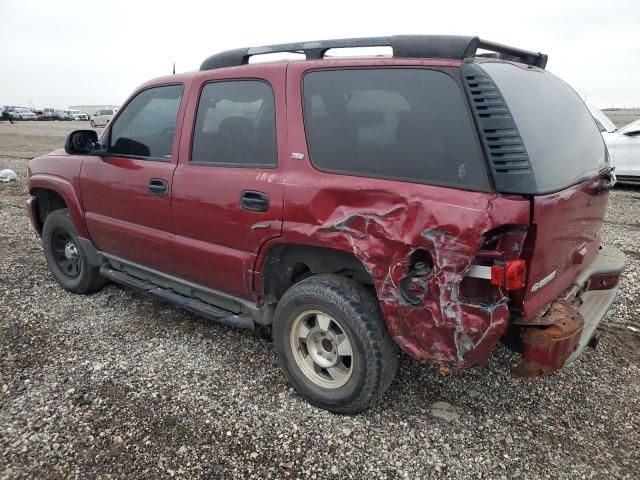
pixel 439 200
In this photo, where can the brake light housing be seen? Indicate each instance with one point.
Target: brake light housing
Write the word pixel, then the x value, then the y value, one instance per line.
pixel 511 275
pixel 497 275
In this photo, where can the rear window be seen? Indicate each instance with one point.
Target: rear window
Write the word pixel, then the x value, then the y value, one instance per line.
pixel 235 125
pixel 562 139
pixel 403 124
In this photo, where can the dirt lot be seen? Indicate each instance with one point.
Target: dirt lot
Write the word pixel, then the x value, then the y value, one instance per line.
pixel 119 385
pixel 622 120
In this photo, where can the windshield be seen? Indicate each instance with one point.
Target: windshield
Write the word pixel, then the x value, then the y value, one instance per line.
pixel 563 142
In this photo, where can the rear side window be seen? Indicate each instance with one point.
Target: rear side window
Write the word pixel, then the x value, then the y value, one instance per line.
pixel 147 125
pixel 562 139
pixel 235 125
pixel 405 124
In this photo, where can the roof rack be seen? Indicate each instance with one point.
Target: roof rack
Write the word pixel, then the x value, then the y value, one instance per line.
pixel 403 46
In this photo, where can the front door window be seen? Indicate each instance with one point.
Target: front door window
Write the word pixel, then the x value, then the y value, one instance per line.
pixel 146 127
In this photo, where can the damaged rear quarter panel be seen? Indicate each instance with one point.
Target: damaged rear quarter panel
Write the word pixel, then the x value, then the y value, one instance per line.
pixel 383 228
pixel 383 222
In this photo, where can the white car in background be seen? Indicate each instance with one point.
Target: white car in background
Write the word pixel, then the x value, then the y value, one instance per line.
pixel 624 151
pixel 102 117
pixel 78 115
pixel 22 114
pixel 623 145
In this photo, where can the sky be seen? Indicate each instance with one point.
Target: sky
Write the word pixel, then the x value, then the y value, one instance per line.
pixel 78 52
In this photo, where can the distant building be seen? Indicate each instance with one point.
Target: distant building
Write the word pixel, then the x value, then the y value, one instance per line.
pixel 91 109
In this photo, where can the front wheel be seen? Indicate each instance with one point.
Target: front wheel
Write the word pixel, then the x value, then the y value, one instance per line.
pixel 332 343
pixel 93 124
pixel 65 257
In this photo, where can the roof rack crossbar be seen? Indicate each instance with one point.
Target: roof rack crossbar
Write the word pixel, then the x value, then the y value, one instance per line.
pixel 403 46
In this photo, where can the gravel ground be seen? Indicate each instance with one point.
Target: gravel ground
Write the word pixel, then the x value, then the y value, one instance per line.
pixel 119 385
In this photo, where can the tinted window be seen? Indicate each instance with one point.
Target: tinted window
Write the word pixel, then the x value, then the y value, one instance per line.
pixel 406 124
pixel 146 126
pixel 235 125
pixel 558 131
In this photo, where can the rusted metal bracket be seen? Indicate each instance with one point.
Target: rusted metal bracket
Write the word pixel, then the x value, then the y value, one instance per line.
pixel 545 348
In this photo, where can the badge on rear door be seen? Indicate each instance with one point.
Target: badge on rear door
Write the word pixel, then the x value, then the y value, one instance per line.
pixel 543 282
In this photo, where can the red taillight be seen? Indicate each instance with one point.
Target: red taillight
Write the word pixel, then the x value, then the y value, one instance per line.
pixel 514 277
pixel 511 275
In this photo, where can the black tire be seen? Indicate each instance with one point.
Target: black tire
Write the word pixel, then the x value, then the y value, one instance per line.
pixel 92 123
pixel 74 274
pixel 356 313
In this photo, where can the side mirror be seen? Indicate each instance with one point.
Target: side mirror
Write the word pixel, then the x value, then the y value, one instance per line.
pixel 81 142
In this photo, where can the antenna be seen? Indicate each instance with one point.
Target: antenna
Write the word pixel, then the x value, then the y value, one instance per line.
pixel 174 68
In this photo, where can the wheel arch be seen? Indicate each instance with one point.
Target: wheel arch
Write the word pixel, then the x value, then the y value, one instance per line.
pixel 285 264
pixel 53 193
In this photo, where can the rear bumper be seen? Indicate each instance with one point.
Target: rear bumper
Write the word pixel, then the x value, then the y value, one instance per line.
pixel 559 337
pixel 595 301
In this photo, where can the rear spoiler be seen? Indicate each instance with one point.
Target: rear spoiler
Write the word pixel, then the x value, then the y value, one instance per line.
pixel 505 52
pixel 403 46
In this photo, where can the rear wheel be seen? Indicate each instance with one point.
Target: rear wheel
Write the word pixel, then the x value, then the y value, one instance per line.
pixel 332 343
pixel 65 257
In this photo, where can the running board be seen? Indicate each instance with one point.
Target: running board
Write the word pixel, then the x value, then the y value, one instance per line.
pixel 188 303
pixel 630 179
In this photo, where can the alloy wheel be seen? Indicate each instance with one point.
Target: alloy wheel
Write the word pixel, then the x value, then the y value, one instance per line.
pixel 321 349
